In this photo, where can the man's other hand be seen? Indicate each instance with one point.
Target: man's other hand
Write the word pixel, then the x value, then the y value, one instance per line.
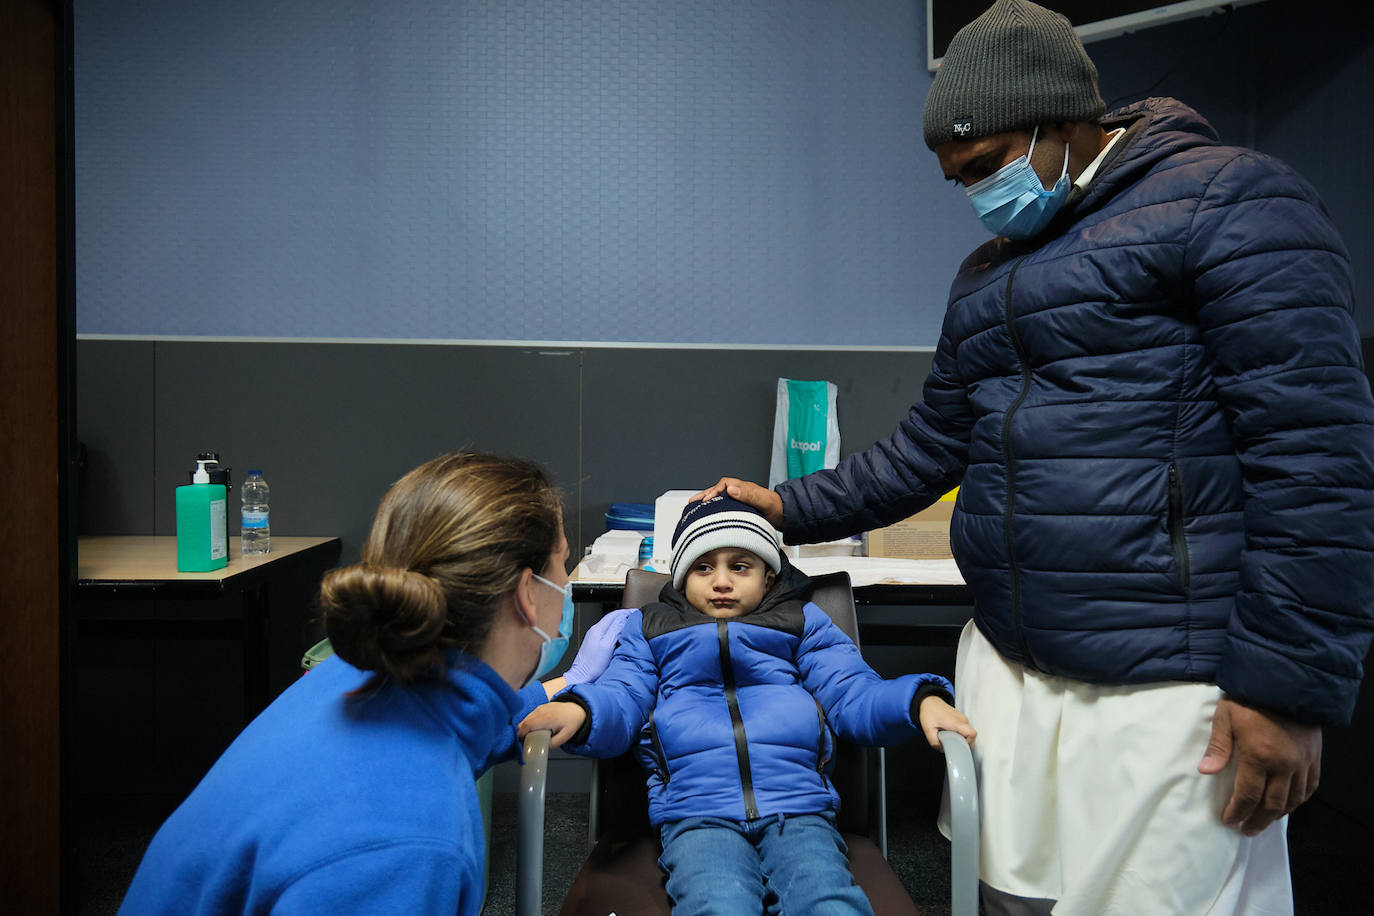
pixel 1278 763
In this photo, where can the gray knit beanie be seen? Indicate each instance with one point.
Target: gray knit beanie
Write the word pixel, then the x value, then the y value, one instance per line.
pixel 1013 67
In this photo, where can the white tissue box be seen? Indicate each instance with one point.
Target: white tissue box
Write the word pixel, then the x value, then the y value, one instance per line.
pixel 619 545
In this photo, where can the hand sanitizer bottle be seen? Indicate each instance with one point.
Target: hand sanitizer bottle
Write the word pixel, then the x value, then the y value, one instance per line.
pixel 201 507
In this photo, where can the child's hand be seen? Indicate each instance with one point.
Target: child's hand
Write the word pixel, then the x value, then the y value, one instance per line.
pixel 937 715
pixel 562 719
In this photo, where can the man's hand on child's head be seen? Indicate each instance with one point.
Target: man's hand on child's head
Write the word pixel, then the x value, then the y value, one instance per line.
pixel 763 499
pixel 562 720
pixel 936 715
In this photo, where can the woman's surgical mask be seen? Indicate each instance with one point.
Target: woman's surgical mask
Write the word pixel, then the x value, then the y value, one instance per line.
pixel 552 649
pixel 1013 202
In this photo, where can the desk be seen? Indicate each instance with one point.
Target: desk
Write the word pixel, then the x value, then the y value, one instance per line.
pixel 142 571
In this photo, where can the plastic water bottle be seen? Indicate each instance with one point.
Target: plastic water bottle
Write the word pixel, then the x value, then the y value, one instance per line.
pixel 255 535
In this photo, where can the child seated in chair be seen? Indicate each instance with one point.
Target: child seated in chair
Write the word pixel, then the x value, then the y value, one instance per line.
pixel 739 684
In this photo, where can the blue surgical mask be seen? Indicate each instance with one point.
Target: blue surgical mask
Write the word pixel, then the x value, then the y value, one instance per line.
pixel 552 649
pixel 1012 201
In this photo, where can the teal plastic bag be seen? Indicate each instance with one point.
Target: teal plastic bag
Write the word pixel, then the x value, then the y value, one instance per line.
pixel 806 429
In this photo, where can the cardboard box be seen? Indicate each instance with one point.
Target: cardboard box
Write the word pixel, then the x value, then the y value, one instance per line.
pixel 924 536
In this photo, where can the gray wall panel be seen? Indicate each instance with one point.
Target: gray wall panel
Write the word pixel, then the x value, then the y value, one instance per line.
pixel 333 426
pixel 656 420
pixel 115 422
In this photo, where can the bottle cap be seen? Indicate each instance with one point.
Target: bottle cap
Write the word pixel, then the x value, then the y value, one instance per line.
pixel 201 475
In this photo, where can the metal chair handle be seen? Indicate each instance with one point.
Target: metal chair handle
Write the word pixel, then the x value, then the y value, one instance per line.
pixel 529 883
pixel 963 822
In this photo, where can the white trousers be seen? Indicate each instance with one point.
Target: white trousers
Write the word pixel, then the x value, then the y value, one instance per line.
pixel 1090 796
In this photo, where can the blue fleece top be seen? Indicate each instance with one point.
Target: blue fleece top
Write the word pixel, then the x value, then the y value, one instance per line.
pixel 328 803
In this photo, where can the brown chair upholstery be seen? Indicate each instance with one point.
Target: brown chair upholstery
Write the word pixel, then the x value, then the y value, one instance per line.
pixel 621 875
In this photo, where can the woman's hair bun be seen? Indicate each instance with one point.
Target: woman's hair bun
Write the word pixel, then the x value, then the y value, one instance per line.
pixel 447 548
pixel 385 619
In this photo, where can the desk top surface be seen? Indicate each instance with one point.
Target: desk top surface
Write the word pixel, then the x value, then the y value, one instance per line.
pixel 139 558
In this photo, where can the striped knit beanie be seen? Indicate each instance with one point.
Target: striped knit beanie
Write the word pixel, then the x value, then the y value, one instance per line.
pixel 1013 67
pixel 721 521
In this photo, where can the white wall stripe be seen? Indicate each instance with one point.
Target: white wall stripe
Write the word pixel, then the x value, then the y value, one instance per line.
pixel 518 344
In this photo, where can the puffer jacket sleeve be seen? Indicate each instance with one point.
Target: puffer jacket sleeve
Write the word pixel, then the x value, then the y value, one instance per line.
pixel 923 459
pixel 619 702
pixel 861 706
pixel 1273 294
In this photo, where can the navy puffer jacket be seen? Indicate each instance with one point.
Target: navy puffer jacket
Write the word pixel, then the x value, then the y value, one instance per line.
pixel 1159 418
pixel 742 713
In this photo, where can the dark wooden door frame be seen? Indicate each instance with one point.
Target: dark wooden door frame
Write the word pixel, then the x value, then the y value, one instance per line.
pixel 37 534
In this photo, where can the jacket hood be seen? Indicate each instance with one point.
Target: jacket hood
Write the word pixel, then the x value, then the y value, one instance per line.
pixel 791 584
pixel 1156 128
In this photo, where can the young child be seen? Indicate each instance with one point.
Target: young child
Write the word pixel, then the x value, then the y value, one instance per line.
pixel 739 684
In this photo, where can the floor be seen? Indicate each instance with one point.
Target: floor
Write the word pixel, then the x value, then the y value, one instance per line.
pixel 1332 856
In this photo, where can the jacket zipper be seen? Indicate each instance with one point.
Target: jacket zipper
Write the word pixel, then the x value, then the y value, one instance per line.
pixel 751 808
pixel 1009 460
pixel 658 751
pixel 821 758
pixel 1176 536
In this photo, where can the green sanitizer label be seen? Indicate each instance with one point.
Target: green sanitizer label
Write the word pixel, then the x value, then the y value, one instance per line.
pixel 807 426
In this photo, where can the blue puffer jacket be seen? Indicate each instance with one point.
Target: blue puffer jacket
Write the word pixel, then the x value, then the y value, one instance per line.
pixel 1158 413
pixel 742 712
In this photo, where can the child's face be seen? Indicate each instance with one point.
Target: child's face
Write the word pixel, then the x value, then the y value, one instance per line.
pixel 728 582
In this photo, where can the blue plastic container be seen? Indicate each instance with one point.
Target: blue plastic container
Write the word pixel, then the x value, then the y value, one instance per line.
pixel 630 517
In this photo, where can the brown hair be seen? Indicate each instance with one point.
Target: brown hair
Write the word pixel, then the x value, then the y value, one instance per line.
pixel 448 544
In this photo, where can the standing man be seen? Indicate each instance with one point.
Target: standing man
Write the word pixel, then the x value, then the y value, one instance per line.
pixel 1150 389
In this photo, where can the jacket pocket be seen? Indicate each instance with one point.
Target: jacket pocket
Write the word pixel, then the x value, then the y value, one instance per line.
pixel 1178 539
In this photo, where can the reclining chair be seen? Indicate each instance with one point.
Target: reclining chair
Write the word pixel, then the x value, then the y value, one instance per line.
pixel 621 874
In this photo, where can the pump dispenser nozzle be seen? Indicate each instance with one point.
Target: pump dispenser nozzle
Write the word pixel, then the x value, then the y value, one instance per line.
pixel 201 475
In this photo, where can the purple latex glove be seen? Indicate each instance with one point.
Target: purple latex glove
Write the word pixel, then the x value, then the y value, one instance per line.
pixel 597 647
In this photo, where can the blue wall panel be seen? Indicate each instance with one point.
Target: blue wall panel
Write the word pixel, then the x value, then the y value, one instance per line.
pixel 638 171
pixel 624 170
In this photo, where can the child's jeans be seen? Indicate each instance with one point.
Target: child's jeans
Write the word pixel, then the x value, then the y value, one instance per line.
pixel 780 864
